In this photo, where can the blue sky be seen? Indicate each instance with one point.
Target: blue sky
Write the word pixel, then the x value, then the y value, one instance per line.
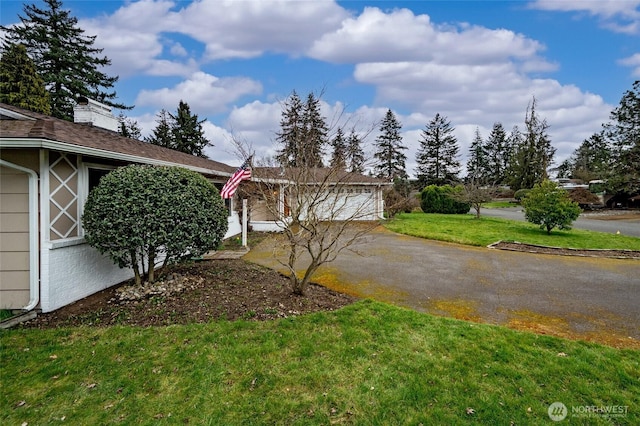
pixel 476 62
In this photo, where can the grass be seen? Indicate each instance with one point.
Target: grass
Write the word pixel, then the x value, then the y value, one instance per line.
pixel 498 204
pixel 5 314
pixel 235 242
pixel 369 363
pixel 465 229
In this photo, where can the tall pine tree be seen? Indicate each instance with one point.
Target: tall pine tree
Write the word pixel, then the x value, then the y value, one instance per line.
pixel 591 160
pixel 339 151
pixel 303 133
pixel 355 153
pixel 316 133
pixel 187 133
pixel 498 153
pixel 390 157
pixel 64 56
pixel 533 155
pixel 129 128
pixel 437 156
pixel 624 134
pixel 20 84
pixel 291 131
pixel 478 164
pixel 161 134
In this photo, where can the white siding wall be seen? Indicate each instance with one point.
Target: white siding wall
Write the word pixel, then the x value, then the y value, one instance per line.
pixel 76 272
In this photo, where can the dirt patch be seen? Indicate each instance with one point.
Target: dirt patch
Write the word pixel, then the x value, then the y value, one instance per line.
pixel 531 248
pixel 196 293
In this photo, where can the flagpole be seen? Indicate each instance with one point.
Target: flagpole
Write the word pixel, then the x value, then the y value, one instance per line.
pixel 244 222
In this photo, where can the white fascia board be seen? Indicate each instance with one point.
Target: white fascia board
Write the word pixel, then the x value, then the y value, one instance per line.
pixel 343 183
pixel 101 153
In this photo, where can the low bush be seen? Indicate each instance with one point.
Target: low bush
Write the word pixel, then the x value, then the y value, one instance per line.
pixel 395 202
pixel 443 199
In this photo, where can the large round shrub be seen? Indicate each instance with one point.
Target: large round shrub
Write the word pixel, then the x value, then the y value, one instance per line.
pixel 549 206
pixel 139 215
pixel 443 199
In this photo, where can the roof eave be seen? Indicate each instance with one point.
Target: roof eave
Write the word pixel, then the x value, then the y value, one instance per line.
pixel 101 153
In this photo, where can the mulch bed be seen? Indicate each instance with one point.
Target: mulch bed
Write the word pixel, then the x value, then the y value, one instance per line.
pixel 196 293
pixel 531 248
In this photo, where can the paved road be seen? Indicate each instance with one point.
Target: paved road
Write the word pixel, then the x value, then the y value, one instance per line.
pixel 592 221
pixel 592 298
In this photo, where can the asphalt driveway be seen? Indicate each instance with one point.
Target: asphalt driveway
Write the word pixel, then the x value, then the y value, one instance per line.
pixel 590 298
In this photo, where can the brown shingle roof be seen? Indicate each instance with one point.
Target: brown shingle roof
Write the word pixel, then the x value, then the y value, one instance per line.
pixel 73 135
pixel 317 174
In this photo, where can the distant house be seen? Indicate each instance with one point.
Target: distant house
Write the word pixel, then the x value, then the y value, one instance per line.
pixel 338 196
pixel 47 168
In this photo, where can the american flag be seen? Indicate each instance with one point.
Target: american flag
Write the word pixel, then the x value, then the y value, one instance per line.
pixel 243 173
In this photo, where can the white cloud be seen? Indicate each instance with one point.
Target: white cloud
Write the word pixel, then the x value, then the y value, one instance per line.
pixel 132 38
pixel 621 16
pixel 138 36
pixel 203 92
pixel 244 29
pixel 401 36
pixel 632 61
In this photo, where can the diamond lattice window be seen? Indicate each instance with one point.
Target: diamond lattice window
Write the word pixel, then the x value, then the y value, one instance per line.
pixel 63 190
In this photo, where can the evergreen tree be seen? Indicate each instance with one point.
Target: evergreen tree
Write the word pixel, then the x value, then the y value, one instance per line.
pixel 339 152
pixel 161 135
pixel 20 84
pixel 129 128
pixel 592 159
pixel 390 158
pixel 533 155
pixel 187 134
pixel 303 134
pixel 498 153
pixel 624 134
pixel 64 56
pixel 478 164
pixel 355 153
pixel 315 135
pixel 437 156
pixel 291 131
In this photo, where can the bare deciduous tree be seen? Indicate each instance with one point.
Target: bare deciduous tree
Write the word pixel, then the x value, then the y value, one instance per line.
pixel 320 211
pixel 475 195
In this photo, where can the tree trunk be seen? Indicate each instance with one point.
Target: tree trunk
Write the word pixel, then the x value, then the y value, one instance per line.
pixel 136 267
pixel 152 266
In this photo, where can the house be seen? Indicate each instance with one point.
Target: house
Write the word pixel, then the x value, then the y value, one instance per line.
pixel 47 168
pixel 328 193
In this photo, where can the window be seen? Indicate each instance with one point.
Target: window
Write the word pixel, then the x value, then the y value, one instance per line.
pixel 94 176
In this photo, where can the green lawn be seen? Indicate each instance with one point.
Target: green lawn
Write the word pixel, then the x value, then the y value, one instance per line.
pixel 367 364
pixel 465 229
pixel 498 204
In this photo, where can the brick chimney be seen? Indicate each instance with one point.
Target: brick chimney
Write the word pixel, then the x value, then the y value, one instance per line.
pixel 88 111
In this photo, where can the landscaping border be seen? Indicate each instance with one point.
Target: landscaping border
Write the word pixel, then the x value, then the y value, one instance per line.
pixel 565 251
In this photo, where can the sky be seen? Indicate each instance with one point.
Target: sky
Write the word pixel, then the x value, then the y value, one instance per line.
pixel 476 62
